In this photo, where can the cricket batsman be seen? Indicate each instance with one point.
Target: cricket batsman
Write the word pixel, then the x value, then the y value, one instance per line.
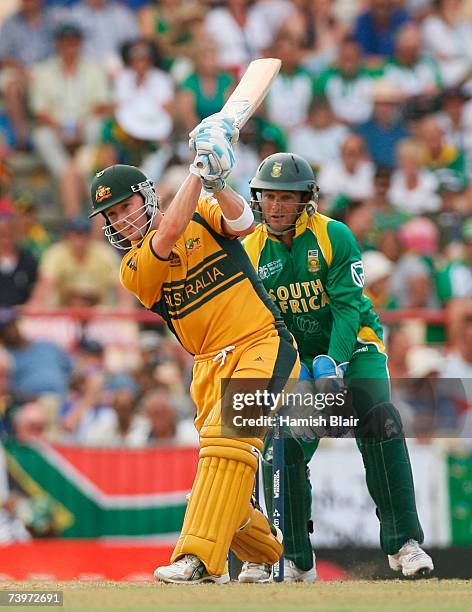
pixel 311 266
pixel 187 266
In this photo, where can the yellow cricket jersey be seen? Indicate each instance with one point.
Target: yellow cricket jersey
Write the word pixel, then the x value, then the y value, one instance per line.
pixel 207 290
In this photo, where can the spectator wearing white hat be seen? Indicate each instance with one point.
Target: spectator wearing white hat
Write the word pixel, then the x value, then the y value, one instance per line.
pixel 414 188
pixel 378 270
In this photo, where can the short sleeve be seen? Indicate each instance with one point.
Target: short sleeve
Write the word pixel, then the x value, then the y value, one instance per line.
pixel 143 272
pixel 209 209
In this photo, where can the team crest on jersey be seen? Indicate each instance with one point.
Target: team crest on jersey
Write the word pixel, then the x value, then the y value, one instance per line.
pixel 276 169
pixel 313 261
pixel 102 193
pixel 193 245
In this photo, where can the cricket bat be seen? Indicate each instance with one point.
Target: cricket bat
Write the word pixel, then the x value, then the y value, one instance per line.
pixel 249 93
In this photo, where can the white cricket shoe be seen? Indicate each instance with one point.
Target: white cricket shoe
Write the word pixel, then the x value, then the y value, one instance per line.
pixel 411 560
pixel 188 570
pixel 292 573
pixel 255 572
pixel 262 572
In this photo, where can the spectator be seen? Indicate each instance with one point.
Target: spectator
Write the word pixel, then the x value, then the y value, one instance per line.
pixel 458 365
pixel 39 367
pixel 384 130
pixel 454 278
pixel 26 38
pixel 69 97
pixel 120 425
pixel 398 345
pixel 448 37
pixel 378 270
pixel 157 407
pixel 351 177
pixel 385 216
pixel 163 422
pixel 357 215
pixel 30 424
pixel 176 27
pixel 228 26
pixel 433 404
pixel 316 25
pixel 375 29
pixel 320 138
pixel 107 26
pixel 347 85
pixel 205 91
pixel 412 278
pixel 144 95
pixel 289 98
pixel 410 71
pixel 79 268
pixel 32 234
pixel 456 121
pixel 7 400
pixel 441 157
pixel 414 189
pixel 18 268
pixel 84 406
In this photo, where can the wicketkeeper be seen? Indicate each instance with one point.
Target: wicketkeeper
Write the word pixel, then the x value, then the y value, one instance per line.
pixel 188 267
pixel 312 268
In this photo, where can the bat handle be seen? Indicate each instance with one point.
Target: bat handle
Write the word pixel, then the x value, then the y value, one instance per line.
pixel 201 161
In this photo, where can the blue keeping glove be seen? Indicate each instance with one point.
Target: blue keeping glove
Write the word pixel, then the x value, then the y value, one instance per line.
pixel 327 374
pixel 324 366
pixel 305 373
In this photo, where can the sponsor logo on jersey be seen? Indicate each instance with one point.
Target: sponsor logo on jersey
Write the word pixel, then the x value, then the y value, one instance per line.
pixel 276 170
pixel 268 269
pixel 131 263
pixel 313 261
pixel 193 245
pixel 357 273
pixel 103 192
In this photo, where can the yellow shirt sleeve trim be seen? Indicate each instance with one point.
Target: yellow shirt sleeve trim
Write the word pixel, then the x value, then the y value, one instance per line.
pixel 366 335
pixel 254 243
pixel 319 225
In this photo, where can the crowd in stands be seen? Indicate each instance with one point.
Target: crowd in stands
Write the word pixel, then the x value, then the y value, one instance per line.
pixel 375 94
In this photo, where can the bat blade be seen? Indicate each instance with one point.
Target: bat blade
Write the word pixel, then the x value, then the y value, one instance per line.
pixel 249 93
pixel 251 90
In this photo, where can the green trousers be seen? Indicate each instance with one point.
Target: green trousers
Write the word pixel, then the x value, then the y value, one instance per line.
pixel 385 457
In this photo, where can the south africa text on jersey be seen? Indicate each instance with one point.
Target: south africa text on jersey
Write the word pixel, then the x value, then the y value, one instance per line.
pixel 300 297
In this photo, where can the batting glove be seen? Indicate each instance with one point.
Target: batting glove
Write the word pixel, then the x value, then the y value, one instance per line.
pixel 212 140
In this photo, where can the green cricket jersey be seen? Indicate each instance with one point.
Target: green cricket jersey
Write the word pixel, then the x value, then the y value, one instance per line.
pixel 317 285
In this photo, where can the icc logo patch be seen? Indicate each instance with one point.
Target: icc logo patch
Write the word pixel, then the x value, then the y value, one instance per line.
pixel 276 169
pixel 102 193
pixel 313 261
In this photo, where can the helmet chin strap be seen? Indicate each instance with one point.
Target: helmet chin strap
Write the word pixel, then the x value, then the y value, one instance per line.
pixel 310 208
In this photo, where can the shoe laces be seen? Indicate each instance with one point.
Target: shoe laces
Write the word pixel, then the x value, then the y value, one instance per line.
pixel 252 565
pixel 415 551
pixel 189 560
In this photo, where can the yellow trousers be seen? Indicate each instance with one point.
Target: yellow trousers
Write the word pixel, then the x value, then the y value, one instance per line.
pixel 219 513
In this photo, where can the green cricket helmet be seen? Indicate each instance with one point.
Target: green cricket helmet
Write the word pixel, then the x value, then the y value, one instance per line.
pixel 115 184
pixel 284 172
